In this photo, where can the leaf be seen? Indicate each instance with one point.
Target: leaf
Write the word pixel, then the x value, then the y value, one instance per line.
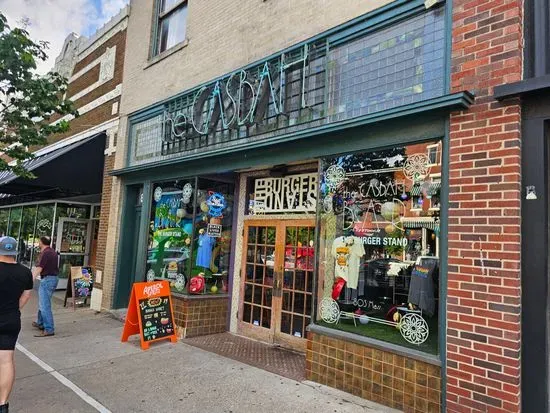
pixel 30 100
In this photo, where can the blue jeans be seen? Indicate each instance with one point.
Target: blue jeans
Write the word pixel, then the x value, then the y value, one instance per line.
pixel 45 291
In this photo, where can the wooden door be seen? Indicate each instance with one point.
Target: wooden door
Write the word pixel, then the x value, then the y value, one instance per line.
pixel 277 281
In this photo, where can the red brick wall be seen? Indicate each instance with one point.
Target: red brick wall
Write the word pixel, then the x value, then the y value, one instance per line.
pixel 483 304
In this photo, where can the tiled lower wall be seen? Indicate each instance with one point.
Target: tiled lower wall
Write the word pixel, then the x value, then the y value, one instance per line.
pixel 380 376
pixel 198 316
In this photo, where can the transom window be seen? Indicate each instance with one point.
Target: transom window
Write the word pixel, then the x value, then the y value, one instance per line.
pixel 171 24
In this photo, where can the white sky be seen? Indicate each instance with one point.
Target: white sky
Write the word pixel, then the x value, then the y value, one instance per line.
pixel 53 20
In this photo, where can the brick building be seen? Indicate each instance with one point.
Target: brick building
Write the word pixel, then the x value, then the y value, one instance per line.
pixel 340 180
pixel 70 198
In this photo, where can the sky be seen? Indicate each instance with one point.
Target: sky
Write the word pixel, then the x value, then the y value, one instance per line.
pixel 53 20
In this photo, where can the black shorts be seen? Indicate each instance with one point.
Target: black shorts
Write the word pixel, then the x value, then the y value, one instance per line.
pixel 10 326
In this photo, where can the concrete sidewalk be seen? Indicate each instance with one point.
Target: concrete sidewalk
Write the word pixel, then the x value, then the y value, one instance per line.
pixel 87 351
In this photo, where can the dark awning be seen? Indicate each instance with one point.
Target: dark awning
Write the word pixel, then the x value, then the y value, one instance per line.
pixel 70 170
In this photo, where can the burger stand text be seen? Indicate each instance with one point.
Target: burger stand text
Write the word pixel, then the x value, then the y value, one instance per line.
pixel 150 314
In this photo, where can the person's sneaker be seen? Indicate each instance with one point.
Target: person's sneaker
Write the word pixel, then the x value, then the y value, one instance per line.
pixel 43 334
pixel 5 408
pixel 38 326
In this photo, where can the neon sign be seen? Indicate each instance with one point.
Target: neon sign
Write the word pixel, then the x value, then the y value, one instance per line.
pixel 241 99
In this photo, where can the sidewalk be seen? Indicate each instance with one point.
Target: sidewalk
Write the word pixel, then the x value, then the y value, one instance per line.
pixel 86 354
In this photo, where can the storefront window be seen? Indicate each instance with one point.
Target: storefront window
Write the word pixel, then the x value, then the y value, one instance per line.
pixel 73 211
pixel 190 235
pixel 4 217
pixel 379 245
pixel 44 225
pixel 26 237
pixel 15 222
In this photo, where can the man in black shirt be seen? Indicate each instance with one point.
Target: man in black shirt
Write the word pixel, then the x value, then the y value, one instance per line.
pixel 15 290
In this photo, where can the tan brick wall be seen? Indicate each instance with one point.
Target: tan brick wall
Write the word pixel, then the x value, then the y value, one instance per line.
pixel 199 317
pixel 390 379
pixel 223 36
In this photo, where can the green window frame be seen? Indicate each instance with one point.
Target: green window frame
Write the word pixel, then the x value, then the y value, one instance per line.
pixel 170 25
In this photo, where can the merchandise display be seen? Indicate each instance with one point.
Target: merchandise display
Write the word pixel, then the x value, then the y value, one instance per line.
pixel 190 235
pixel 381 264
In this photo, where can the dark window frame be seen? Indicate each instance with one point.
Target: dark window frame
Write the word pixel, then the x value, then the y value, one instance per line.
pixel 159 17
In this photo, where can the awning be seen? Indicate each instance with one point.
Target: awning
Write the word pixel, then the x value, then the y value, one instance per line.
pixel 433 189
pixel 421 222
pixel 68 169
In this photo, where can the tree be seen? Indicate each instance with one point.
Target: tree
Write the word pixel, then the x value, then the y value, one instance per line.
pixel 28 101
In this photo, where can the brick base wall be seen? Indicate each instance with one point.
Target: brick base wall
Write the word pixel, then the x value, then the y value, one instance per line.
pixel 383 377
pixel 199 316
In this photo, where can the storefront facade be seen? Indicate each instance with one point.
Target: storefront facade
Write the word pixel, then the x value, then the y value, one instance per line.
pixel 69 199
pixel 311 200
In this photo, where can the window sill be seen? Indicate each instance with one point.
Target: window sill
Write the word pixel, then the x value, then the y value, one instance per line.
pixel 199 296
pixel 377 344
pixel 416 210
pixel 168 52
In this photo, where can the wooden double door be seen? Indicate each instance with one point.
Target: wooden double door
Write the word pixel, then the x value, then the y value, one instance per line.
pixel 277 281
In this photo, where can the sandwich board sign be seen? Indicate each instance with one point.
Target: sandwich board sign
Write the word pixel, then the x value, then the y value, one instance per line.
pixel 150 314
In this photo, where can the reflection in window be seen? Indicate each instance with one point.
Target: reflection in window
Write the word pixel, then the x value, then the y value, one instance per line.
pixel 25 242
pixel 379 265
pixel 190 235
pixel 15 222
pixel 4 217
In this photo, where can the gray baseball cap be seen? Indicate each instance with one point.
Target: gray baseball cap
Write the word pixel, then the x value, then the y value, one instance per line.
pixel 8 246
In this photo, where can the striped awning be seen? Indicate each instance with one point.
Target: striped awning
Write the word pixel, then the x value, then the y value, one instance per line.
pixel 433 189
pixel 427 222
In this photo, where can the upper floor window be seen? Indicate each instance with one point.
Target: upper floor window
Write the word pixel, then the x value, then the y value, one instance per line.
pixel 434 154
pixel 171 24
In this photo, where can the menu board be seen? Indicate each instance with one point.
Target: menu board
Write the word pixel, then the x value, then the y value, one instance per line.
pixel 150 313
pixel 80 285
pixel 156 318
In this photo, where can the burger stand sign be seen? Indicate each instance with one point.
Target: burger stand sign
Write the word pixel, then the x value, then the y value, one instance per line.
pixel 150 314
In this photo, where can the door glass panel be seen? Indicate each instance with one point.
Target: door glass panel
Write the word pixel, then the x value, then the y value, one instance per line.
pixel 259 277
pixel 15 222
pixel 74 237
pixel 297 280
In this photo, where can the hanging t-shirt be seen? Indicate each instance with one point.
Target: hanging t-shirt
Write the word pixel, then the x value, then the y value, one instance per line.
pixel 347 251
pixel 421 289
pixel 204 252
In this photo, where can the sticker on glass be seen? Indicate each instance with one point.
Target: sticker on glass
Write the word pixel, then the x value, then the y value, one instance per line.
pixel 334 176
pixel 157 194
pixel 416 166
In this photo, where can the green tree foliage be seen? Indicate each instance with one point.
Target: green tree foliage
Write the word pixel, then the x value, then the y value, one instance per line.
pixel 28 102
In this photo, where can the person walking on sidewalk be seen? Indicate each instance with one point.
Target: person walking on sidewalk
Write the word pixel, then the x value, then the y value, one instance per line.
pixel 47 272
pixel 15 290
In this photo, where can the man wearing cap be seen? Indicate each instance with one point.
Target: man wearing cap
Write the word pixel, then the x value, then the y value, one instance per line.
pixel 47 272
pixel 15 290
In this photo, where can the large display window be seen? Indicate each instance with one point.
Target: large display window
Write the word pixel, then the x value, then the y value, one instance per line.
pixel 190 235
pixel 379 244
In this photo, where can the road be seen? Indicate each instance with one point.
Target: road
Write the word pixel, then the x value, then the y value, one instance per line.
pixel 85 368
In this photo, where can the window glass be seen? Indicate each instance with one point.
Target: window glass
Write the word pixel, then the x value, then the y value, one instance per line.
pixel 170 233
pixel 379 246
pixel 212 235
pixel 4 217
pixel 25 248
pixel 190 235
pixel 15 222
pixel 172 28
pixel 73 211
pixel 44 225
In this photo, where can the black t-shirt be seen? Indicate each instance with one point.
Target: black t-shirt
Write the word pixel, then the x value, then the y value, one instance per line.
pixel 14 279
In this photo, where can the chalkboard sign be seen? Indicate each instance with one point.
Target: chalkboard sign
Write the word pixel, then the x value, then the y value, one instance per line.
pixel 150 313
pixel 79 285
pixel 156 318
